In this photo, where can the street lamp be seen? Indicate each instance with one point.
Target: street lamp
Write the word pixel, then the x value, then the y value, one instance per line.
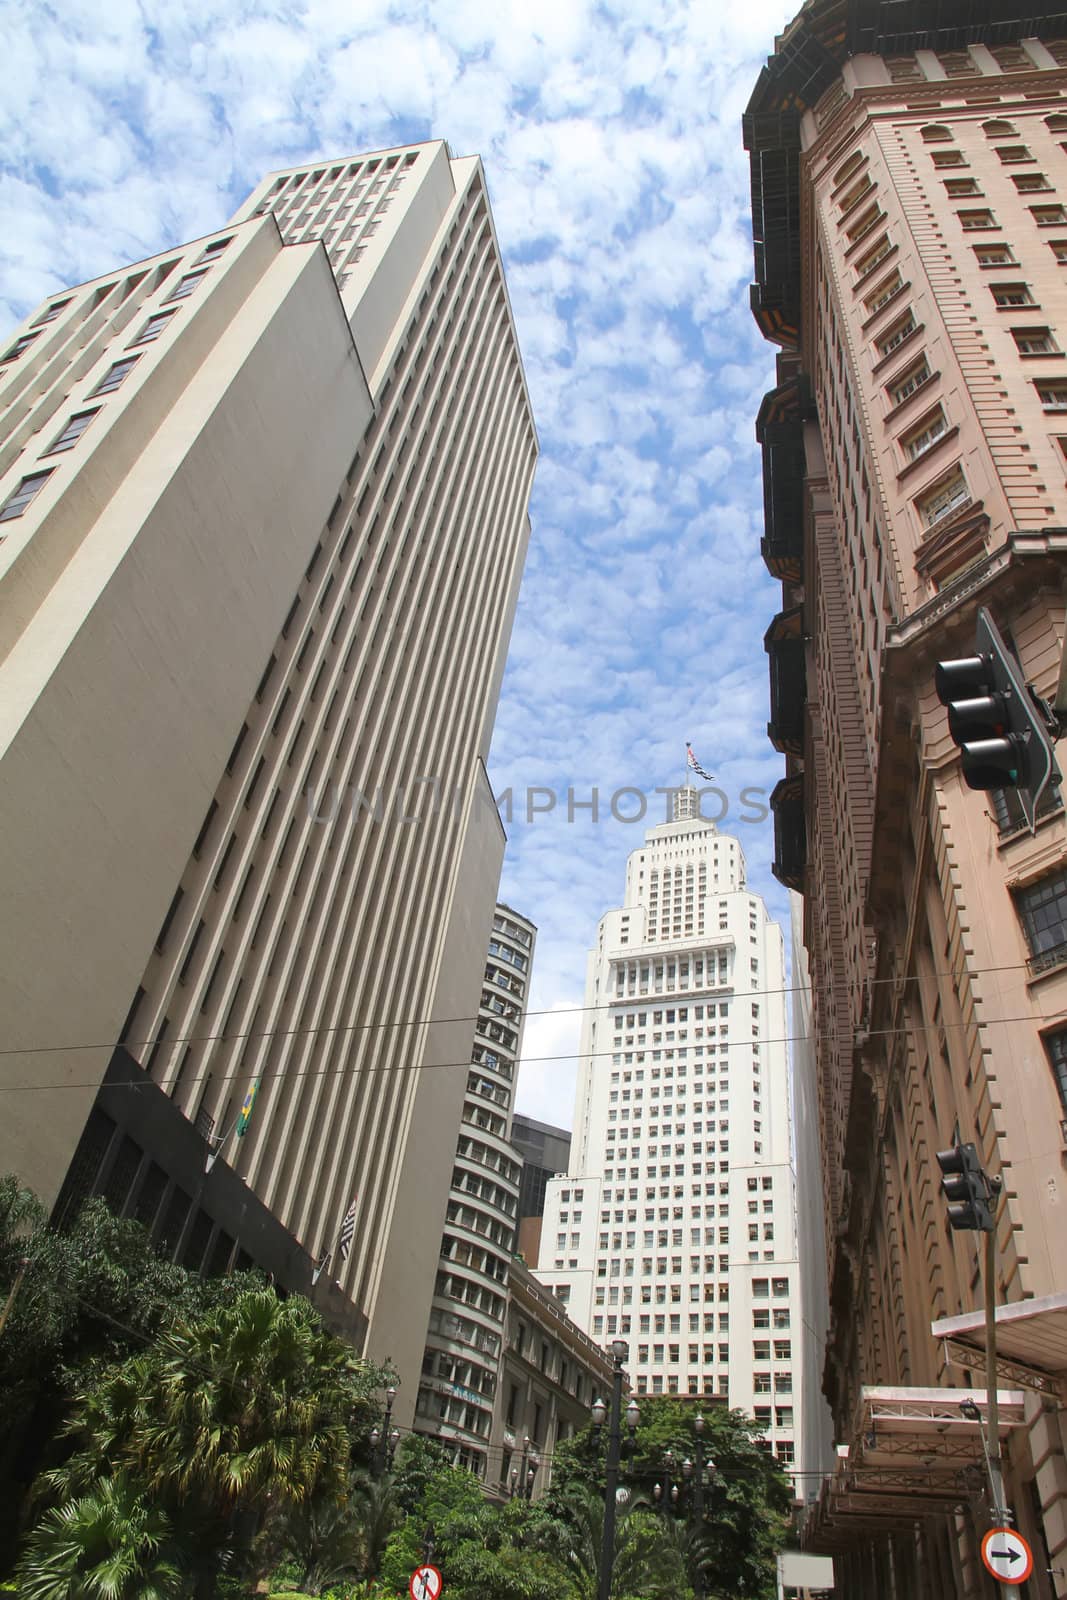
pixel 523 1478
pixel 383 1440
pixel 694 1473
pixel 619 1351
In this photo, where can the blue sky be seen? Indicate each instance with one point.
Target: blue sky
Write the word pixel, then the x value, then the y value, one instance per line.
pixel 611 139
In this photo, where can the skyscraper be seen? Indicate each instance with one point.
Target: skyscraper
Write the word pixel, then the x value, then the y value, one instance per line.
pixel 675 1226
pixel 262 523
pixel 910 217
pixel 545 1150
pixel 464 1345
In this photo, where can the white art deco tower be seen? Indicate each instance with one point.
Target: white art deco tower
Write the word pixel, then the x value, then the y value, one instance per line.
pixel 675 1226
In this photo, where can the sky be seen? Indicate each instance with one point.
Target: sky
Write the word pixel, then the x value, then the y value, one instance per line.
pixel 611 138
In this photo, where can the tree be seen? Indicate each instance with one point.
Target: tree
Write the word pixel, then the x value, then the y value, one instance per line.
pixel 90 1294
pixel 746 1503
pixel 107 1544
pixel 417 1460
pixel 488 1552
pixel 248 1408
pixel 647 1561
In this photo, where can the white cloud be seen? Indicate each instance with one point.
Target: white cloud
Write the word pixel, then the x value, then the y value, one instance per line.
pixel 611 139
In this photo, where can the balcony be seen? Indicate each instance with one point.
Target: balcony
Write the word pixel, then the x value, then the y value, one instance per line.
pixel 784 644
pixel 780 431
pixel 790 836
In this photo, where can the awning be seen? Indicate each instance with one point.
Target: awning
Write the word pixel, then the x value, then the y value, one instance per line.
pixel 1031 1342
pixel 913 1455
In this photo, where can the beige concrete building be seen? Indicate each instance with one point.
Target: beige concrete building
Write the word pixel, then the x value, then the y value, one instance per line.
pixel 262 522
pixel 910 219
pixel 550 1375
pixel 462 1361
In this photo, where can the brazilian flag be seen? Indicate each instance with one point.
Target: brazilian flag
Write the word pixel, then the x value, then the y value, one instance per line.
pixel 247 1107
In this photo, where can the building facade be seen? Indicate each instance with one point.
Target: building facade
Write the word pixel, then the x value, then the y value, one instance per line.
pixel 550 1375
pixel 462 1361
pixel 675 1225
pixel 263 515
pixel 910 217
pixel 545 1150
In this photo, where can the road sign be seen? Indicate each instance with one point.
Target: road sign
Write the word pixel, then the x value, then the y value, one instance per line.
pixel 1007 1555
pixel 426 1583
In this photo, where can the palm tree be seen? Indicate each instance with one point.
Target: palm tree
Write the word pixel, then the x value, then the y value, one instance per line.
pixel 334 1537
pixel 105 1545
pixel 246 1408
pixel 646 1559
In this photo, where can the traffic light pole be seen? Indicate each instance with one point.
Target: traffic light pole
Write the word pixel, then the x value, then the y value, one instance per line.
pixel 992 1441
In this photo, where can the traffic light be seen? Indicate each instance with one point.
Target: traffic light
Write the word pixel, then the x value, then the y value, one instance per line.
pixel 993 717
pixel 966 1188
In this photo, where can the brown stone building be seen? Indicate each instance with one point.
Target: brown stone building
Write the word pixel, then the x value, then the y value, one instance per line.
pixel 909 175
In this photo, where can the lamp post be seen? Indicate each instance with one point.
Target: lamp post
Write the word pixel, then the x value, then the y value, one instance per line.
pixel 619 1351
pixel 384 1440
pixel 524 1477
pixel 694 1474
pixel 666 1494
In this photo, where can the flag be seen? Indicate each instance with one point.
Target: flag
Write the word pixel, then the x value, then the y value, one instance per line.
pixel 691 761
pixel 348 1232
pixel 247 1104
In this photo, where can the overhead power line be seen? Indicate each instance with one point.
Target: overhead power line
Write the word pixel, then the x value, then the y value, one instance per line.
pixel 426 1066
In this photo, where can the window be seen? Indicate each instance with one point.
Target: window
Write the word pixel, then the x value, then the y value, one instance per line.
pixel 152 328
pixel 847 168
pixel 935 132
pixel 855 194
pixel 870 260
pixel 1052 392
pixel 115 375
pixel 1048 216
pixel 924 434
pixel 973 220
pixel 1013 152
pixel 998 130
pixel 1059 249
pixel 948 158
pixel 1030 182
pixel 1042 909
pixel 864 223
pixel 52 313
pixel 22 343
pixel 905 385
pixel 1008 811
pixel 1056 1047
pixel 959 188
pixel 900 331
pixel 185 286
pixel 1011 294
pixel 945 498
pixel 1034 341
pixel 213 250
pixel 994 255
pixel 16 503
pixel 885 291
pixel 72 432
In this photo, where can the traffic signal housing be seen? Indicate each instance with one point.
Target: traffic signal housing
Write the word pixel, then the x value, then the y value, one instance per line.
pixel 966 1188
pixel 1004 739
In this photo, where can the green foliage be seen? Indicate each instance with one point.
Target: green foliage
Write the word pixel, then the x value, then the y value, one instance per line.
pixel 746 1504
pixel 417 1461
pixel 108 1544
pixel 220 1417
pixel 488 1552
pixel 89 1295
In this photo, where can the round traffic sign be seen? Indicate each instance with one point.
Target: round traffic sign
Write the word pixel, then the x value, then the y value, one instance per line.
pixel 426 1583
pixel 1007 1555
